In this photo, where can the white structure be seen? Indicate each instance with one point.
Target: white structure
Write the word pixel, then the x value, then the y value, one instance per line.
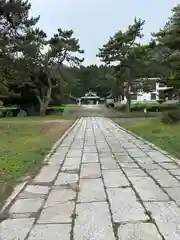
pixel 110 100
pixel 89 98
pixel 146 97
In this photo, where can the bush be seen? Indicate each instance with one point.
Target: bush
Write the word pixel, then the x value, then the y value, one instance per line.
pixel 55 111
pixel 121 107
pixel 138 107
pixel 171 117
pixel 150 107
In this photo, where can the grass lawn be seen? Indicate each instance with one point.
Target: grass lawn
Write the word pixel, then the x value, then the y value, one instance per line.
pixel 165 136
pixel 23 147
pixel 36 118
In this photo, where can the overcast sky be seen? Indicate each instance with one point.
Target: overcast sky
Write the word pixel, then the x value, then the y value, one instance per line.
pixel 94 21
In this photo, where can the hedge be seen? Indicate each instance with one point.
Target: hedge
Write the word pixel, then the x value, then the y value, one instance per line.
pixel 149 107
pixel 54 110
pixel 172 116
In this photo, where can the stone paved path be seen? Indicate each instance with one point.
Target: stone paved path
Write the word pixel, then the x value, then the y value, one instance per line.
pixel 100 184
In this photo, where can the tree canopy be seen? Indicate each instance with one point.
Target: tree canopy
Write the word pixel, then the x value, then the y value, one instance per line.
pixel 30 62
pixel 128 56
pixel 43 68
pixel 168 43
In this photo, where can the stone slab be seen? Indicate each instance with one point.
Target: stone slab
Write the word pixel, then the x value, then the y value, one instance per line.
pixel 108 164
pixel 50 231
pixel 116 149
pixel 66 143
pixel 75 161
pixel 62 150
pixel 143 182
pixel 56 159
pixel 93 221
pixel 128 145
pixel 158 157
pixel 174 193
pixel 152 194
pixel 29 205
pixel 144 147
pixel 89 143
pixel 114 178
pixel 178 177
pixel 33 191
pixel 175 172
pixel 60 195
pixel 90 157
pixel 167 218
pixel 130 165
pixel 171 165
pixel 37 189
pixel 58 213
pixel 150 166
pixel 91 190
pixel 13 229
pixel 47 174
pixel 124 206
pixel 123 158
pixel 106 150
pixel 138 231
pixel 74 153
pixel 71 167
pixel 164 178
pixel 134 172
pixel 77 146
pixel 136 153
pixel 90 170
pixel 66 178
pixel 90 149
pixel 146 160
pixel 107 155
pixel 15 192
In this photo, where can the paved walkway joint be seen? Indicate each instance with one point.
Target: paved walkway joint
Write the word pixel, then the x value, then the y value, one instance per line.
pixel 101 184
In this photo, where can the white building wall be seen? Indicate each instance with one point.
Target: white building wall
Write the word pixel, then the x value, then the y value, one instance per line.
pixel 144 97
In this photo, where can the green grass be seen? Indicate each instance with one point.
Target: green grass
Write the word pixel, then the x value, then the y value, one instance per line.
pixel 51 107
pixel 23 147
pixel 165 136
pixel 35 118
pixel 73 107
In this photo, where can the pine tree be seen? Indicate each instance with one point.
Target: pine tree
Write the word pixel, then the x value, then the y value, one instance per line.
pixel 168 40
pixel 14 22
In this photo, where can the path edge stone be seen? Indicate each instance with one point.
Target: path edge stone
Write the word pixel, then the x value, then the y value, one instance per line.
pixel 147 142
pixel 56 145
pixel 23 184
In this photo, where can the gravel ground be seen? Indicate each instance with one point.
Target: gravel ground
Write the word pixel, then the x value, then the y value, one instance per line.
pixel 90 111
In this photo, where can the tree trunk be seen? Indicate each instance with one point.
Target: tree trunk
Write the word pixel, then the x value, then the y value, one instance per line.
pixel 128 104
pixel 44 102
pixel 43 108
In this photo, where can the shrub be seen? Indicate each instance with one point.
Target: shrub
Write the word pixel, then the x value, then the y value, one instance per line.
pixel 172 116
pixel 150 107
pixel 138 107
pixel 121 107
pixel 166 107
pixel 54 110
pixel 155 107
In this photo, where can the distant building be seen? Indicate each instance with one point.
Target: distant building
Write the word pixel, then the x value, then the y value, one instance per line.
pixel 89 98
pixel 110 100
pixel 147 97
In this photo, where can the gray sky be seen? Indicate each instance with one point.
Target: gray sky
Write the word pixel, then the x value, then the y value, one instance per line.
pixel 94 21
